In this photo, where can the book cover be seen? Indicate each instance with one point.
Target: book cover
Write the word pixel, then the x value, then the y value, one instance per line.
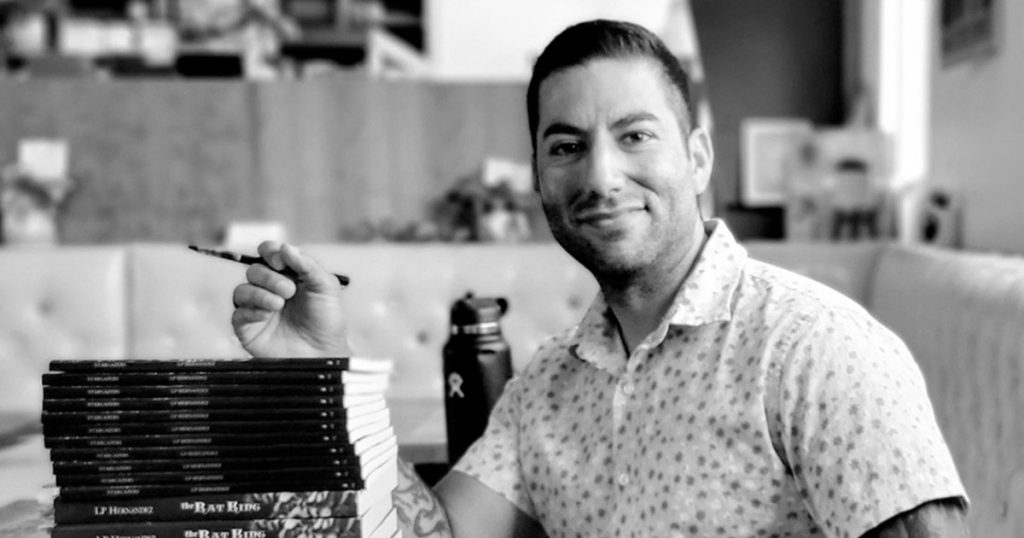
pixel 356 364
pixel 274 504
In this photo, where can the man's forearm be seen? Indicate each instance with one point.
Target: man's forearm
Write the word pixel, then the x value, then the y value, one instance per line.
pixel 419 511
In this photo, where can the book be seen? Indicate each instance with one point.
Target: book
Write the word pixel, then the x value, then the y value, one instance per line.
pixel 93 404
pixel 354 448
pixel 355 364
pixel 172 490
pixel 274 504
pixel 193 391
pixel 222 377
pixel 361 462
pixel 200 427
pixel 353 430
pixel 285 474
pixel 60 418
pixel 255 528
pixel 83 493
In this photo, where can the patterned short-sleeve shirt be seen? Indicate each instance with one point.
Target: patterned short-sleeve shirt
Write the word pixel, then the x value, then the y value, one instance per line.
pixel 763 405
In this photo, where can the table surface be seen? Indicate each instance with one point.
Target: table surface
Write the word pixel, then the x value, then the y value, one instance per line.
pixel 26 478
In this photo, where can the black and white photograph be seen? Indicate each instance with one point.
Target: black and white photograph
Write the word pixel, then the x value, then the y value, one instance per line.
pixel 511 268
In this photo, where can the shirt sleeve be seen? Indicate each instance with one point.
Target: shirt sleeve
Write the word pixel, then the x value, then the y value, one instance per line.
pixel 494 458
pixel 856 426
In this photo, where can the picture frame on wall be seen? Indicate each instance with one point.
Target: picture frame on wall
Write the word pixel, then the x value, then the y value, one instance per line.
pixel 968 30
pixel 768 147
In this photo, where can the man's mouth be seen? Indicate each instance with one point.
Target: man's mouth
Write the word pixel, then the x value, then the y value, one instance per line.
pixel 605 216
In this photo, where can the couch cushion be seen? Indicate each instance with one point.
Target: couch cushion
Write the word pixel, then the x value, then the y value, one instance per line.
pixel 58 303
pixel 181 304
pixel 400 296
pixel 962 315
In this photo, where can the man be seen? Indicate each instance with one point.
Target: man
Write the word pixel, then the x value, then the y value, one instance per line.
pixel 703 393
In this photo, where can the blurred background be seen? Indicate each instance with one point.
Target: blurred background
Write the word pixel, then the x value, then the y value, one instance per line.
pixel 404 120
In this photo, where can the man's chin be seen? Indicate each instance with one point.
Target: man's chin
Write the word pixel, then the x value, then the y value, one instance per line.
pixel 607 257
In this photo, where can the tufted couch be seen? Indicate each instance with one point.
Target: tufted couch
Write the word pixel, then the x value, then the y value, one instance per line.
pixel 962 314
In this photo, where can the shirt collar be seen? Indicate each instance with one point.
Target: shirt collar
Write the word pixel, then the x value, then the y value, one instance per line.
pixel 705 297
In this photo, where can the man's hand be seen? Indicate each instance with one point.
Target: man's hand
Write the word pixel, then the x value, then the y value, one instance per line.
pixel 277 317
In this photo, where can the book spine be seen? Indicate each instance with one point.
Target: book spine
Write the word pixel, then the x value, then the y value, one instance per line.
pixel 193 391
pixel 81 493
pixel 196 428
pixel 213 415
pixel 349 414
pixel 70 468
pixel 254 364
pixel 227 439
pixel 212 452
pixel 284 475
pixel 275 504
pixel 314 377
pixel 170 404
pixel 358 447
pixel 279 503
pixel 252 528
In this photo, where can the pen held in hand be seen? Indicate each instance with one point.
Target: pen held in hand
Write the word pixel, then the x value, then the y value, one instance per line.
pixel 249 260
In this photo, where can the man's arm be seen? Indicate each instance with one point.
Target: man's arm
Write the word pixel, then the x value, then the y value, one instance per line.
pixel 419 512
pixel 461 507
pixel 936 519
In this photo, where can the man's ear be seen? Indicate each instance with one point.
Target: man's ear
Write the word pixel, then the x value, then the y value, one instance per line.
pixel 702 157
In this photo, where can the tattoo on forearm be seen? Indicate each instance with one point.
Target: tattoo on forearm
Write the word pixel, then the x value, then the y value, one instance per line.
pixel 419 511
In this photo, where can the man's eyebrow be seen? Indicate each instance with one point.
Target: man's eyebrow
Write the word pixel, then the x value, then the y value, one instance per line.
pixel 561 128
pixel 632 118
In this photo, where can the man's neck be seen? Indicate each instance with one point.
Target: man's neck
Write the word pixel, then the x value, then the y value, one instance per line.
pixel 641 304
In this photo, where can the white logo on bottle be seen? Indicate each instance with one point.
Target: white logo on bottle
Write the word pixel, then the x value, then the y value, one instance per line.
pixel 455 385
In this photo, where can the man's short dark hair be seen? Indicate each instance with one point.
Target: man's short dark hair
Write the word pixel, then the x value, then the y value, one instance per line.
pixel 590 40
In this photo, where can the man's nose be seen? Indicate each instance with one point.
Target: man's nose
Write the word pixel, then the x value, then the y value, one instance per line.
pixel 605 172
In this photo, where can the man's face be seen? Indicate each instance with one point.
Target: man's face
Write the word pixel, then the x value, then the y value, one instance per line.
pixel 617 176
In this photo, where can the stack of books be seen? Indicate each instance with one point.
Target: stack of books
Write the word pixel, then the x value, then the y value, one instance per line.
pixel 253 448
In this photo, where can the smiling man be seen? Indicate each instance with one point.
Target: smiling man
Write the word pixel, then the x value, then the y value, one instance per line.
pixel 703 393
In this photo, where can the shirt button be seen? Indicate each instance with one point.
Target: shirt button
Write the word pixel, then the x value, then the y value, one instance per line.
pixel 628 389
pixel 623 479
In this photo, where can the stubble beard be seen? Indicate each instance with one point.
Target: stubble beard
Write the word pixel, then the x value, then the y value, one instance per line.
pixel 609 264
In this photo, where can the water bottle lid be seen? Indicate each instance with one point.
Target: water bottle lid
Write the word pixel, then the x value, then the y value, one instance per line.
pixel 478 310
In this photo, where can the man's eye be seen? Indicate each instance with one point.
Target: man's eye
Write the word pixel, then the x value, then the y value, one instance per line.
pixel 637 137
pixel 565 148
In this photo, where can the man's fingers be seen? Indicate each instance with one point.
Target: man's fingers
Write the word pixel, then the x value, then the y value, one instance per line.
pixel 306 267
pixel 270 252
pixel 252 297
pixel 244 316
pixel 270 280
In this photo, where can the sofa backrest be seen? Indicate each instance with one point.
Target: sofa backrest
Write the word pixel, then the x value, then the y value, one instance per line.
pixel 846 267
pixel 56 303
pixel 962 316
pixel 164 301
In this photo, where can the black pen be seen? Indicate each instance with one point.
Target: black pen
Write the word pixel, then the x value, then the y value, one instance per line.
pixel 249 260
